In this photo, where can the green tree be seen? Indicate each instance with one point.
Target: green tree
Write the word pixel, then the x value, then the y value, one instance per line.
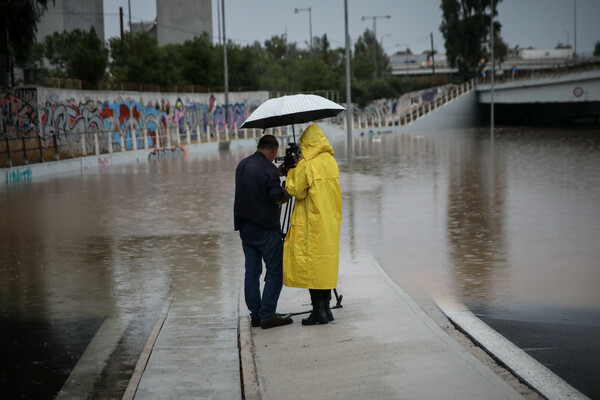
pixel 366 49
pixel 597 49
pixel 202 62
pixel 134 59
pixel 466 27
pixel 18 27
pixel 77 54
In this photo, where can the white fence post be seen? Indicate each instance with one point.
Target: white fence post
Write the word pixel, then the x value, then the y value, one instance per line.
pixel 134 139
pixel 83 149
pixel 96 143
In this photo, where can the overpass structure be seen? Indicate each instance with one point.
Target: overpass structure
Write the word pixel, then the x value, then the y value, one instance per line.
pixel 555 97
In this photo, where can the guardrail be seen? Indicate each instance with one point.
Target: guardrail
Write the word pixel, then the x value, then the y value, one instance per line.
pixel 419 111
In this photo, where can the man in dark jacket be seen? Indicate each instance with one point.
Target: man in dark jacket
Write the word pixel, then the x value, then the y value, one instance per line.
pixel 258 194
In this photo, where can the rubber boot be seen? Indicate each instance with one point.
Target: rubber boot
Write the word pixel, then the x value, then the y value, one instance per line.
pixel 318 314
pixel 326 301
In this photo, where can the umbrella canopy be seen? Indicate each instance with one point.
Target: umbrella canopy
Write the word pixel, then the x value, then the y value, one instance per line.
pixel 290 110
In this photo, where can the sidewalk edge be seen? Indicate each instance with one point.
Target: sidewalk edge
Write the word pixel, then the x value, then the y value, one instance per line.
pixel 518 362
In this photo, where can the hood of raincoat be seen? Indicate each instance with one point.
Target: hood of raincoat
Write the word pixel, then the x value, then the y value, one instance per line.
pixel 314 142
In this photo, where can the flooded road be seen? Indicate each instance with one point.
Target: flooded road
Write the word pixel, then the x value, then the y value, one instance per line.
pixel 510 228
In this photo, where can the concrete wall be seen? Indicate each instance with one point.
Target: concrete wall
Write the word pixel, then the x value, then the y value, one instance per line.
pixel 74 111
pixel 100 163
pixel 572 88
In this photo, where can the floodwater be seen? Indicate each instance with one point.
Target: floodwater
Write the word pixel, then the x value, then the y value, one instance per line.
pixel 511 227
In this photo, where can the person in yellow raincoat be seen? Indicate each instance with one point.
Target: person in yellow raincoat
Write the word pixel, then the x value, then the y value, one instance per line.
pixel 311 248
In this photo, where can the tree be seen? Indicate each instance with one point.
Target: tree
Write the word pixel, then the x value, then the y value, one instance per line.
pixel 133 58
pixel 366 49
pixel 18 27
pixel 597 49
pixel 77 54
pixel 466 27
pixel 202 61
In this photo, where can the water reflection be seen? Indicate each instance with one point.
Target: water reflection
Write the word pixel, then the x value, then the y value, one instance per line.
pixel 512 226
pixel 81 251
pixel 475 219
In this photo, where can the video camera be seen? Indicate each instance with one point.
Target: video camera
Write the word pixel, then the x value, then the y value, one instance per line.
pixel 291 154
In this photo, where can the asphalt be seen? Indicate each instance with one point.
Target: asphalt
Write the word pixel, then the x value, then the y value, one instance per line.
pixel 381 345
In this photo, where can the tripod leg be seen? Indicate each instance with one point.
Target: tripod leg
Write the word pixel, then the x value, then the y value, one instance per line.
pixel 338 299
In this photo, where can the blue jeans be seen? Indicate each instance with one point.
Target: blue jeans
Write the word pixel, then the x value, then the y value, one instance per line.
pixel 262 245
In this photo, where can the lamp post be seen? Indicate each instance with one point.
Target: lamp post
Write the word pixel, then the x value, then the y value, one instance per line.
pixel 349 111
pixel 296 11
pixel 374 18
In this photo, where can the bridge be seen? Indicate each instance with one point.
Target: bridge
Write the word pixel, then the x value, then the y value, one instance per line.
pixel 555 96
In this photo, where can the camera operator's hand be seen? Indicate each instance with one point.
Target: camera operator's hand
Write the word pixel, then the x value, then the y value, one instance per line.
pixel 282 170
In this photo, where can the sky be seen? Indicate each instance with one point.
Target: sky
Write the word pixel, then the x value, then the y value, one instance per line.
pixel 541 24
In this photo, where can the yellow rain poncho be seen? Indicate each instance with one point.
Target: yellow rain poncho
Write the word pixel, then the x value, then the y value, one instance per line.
pixel 311 248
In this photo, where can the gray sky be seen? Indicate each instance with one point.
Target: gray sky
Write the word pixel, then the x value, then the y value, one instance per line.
pixel 537 23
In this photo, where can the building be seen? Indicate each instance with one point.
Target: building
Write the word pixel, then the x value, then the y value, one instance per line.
pixel 181 20
pixel 66 15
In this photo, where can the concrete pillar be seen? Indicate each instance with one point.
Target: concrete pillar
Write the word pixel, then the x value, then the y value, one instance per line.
pixel 157 144
pixel 187 132
pixel 145 140
pixel 110 139
pixel 178 136
pixel 168 132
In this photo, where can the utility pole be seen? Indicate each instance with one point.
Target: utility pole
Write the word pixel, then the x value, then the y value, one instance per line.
pixel 225 67
pixel 492 74
pixel 575 27
pixel 121 20
pixel 349 111
pixel 432 54
pixel 129 2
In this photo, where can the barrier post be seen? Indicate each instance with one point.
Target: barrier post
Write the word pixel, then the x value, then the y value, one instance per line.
pixel 96 147
pixel 133 138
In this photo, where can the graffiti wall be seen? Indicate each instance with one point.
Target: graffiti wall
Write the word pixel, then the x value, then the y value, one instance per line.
pixel 16 113
pixel 68 113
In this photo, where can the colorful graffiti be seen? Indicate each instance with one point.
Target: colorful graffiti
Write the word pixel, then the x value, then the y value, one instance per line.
pixel 16 112
pixel 14 176
pixel 125 118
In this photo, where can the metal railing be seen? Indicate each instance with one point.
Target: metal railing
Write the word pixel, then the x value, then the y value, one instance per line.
pixel 29 145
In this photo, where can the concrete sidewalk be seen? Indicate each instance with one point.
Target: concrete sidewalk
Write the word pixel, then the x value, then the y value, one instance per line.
pixel 382 345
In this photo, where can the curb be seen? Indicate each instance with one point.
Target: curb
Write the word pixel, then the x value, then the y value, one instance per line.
pixel 518 362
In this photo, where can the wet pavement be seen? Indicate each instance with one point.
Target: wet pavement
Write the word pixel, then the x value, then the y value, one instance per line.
pixel 511 230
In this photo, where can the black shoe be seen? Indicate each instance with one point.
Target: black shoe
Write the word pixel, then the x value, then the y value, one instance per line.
pixel 276 320
pixel 255 322
pixel 318 314
pixel 316 317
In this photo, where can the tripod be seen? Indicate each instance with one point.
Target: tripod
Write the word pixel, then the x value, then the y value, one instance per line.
pixel 286 214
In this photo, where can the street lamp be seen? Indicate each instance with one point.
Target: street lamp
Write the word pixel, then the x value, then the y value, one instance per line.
pixel 296 11
pixel 374 18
